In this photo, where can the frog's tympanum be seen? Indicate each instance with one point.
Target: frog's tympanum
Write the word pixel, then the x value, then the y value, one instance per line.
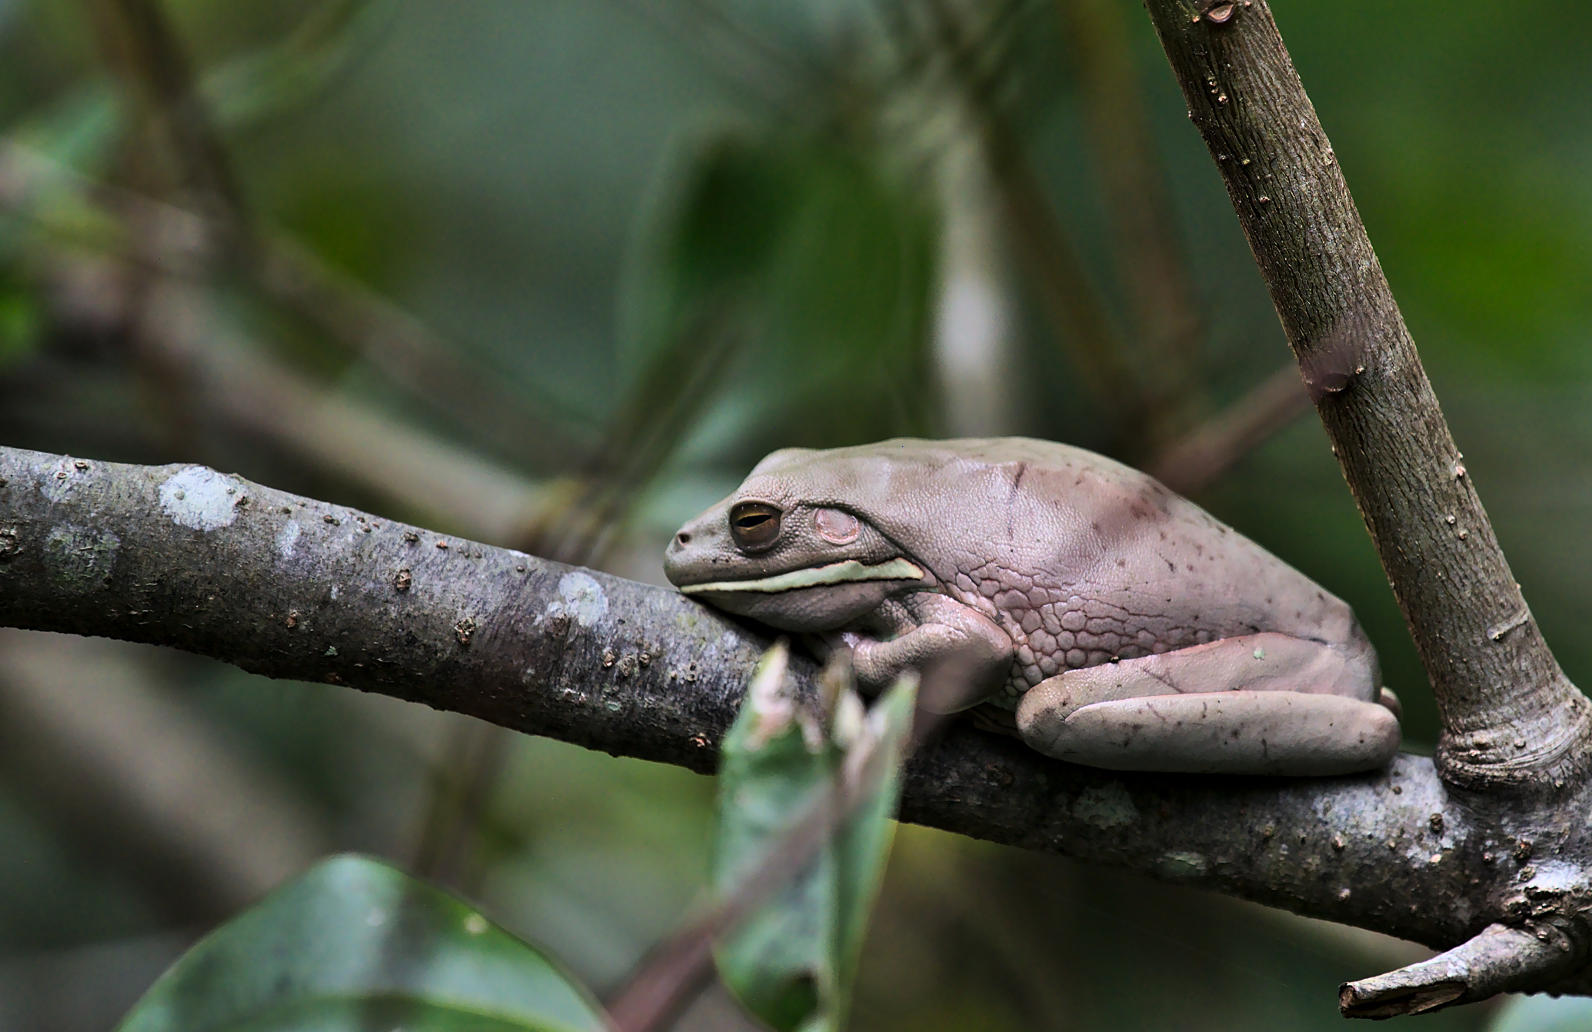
pixel 1117 624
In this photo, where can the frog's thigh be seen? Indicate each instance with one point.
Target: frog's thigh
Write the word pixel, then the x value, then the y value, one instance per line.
pixel 1258 704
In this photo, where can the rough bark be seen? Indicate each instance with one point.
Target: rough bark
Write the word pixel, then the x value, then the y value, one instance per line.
pixel 1509 715
pixel 1515 731
pixel 292 587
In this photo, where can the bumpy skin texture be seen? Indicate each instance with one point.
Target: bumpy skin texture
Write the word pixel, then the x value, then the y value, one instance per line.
pixel 1037 559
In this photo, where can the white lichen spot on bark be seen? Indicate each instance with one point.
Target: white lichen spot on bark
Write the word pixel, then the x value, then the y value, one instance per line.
pixel 1355 812
pixel 580 598
pixel 1105 807
pixel 287 539
pixel 1550 876
pixel 1181 865
pixel 200 498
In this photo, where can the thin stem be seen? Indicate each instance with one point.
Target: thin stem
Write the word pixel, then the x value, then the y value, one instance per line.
pixel 1189 465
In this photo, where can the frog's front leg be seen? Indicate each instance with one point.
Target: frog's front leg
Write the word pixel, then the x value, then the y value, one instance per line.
pixel 966 654
pixel 1256 704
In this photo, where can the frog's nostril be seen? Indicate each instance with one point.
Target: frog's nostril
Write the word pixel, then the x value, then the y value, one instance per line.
pixel 682 538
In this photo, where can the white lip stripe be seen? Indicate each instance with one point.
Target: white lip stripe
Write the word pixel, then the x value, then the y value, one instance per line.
pixel 835 573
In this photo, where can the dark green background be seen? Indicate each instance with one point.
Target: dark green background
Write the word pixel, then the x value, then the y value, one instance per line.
pixel 675 247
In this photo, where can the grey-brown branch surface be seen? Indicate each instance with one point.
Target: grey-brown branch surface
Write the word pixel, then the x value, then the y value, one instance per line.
pixel 1513 727
pixel 292 587
pixel 1510 716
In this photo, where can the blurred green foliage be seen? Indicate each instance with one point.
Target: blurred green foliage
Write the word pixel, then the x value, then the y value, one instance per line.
pixel 353 943
pixel 548 237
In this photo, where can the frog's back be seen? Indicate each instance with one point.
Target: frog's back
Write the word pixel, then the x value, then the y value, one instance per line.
pixel 1080 558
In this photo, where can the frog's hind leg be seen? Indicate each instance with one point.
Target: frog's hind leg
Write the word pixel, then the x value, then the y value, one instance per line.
pixel 1258 704
pixel 1237 732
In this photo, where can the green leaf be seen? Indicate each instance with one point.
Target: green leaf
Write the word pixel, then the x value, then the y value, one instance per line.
pixel 792 962
pixel 355 944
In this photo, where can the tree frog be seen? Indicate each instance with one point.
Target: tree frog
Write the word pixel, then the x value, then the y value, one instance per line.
pixel 1101 617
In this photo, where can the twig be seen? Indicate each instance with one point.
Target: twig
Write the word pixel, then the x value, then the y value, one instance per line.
pixel 1193 463
pixel 1497 960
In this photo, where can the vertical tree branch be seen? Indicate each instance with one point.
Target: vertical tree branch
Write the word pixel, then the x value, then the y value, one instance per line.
pixel 1509 715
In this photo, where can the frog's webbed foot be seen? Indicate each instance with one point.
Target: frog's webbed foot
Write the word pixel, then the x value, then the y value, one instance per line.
pixel 1258 704
pixel 963 655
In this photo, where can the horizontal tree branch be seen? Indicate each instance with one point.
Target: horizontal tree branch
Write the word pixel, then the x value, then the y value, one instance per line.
pixel 292 587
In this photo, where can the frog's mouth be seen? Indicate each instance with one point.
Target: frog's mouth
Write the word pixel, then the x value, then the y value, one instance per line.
pixel 845 572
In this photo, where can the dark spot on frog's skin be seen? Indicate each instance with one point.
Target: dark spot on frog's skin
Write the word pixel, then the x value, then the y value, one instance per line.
pixel 1122 562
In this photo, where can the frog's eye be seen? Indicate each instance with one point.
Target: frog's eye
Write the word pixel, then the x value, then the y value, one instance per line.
pixel 754 524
